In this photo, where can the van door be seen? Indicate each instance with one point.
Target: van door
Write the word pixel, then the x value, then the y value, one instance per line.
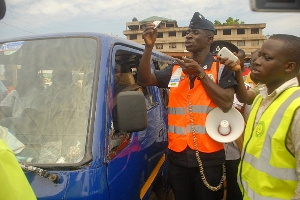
pixel 132 157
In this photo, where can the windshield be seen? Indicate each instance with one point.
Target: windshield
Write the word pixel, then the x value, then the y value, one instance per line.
pixel 46 88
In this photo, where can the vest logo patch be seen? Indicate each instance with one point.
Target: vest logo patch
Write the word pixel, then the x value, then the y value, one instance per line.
pixel 260 129
pixel 211 77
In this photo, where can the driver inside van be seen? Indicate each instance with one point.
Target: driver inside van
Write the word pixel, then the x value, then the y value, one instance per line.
pixel 123 81
pixel 118 87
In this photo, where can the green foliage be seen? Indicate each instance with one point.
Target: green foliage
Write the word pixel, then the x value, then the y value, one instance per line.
pixel 217 22
pixel 229 21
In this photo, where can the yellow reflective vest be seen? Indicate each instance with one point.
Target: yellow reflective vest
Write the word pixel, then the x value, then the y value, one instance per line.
pixel 14 184
pixel 267 169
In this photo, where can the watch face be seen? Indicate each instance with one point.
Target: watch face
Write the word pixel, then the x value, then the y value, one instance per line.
pixel 200 75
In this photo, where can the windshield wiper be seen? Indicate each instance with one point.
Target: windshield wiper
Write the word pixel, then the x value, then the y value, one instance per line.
pixel 42 172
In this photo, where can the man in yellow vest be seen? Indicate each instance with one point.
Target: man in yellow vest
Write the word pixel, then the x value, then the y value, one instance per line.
pixel 197 85
pixel 14 184
pixel 270 165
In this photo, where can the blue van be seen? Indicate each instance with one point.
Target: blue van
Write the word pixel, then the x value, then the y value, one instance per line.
pixel 78 123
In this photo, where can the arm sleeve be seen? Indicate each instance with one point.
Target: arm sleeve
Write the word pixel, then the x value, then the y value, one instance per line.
pixel 293 144
pixel 163 76
pixel 227 79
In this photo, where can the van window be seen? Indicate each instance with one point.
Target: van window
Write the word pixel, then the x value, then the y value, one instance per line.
pixel 124 75
pixel 46 109
pixel 124 78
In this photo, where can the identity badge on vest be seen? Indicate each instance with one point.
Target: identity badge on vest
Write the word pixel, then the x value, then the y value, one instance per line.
pixel 175 78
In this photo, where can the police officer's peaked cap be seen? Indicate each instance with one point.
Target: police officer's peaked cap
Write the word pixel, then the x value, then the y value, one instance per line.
pixel 198 21
pixel 217 45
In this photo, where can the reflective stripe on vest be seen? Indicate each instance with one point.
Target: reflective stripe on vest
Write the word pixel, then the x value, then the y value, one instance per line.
pixel 182 111
pixel 268 168
pixel 179 120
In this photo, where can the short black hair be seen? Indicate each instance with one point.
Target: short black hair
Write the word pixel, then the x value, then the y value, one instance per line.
pixel 291 47
pixel 242 52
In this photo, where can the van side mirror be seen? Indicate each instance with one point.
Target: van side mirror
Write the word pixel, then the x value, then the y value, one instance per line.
pixel 132 112
pixel 275 5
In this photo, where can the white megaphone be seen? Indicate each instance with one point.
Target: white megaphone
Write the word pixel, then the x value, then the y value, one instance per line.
pixel 224 127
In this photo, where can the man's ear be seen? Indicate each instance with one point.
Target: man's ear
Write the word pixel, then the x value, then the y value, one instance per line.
pixel 291 67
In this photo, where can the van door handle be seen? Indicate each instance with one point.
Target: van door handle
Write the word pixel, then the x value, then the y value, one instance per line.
pixel 160 133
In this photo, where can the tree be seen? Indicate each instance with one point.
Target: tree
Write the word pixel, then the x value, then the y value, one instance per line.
pixel 217 22
pixel 229 21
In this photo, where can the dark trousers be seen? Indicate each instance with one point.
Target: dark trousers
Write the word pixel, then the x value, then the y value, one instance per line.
pixel 233 190
pixel 187 184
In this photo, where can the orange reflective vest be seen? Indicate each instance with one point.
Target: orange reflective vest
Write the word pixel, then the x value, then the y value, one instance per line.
pixel 180 133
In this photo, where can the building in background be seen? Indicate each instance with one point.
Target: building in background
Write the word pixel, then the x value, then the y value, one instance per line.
pixel 170 38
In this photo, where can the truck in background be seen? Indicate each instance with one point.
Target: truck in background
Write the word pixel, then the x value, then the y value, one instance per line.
pixel 73 135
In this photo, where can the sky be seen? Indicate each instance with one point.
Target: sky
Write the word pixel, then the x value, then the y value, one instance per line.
pixel 30 17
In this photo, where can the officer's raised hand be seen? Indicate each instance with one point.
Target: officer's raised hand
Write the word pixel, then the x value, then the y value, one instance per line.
pixel 150 34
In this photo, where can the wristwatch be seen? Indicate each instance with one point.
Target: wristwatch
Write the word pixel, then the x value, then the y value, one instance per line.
pixel 201 75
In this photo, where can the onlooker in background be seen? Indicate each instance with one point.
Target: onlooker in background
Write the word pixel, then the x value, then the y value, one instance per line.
pixel 250 83
pixel 242 55
pixel 196 167
pixel 248 93
pixel 245 93
pixel 233 150
pixel 270 165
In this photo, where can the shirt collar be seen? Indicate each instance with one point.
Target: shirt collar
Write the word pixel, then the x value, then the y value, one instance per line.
pixel 288 84
pixel 207 63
